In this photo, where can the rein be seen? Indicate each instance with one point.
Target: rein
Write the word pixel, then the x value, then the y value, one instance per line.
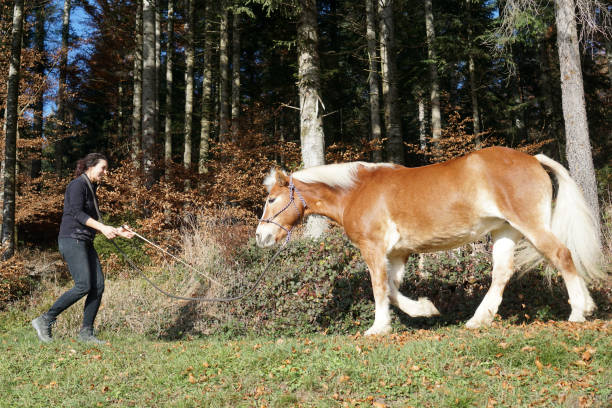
pixel 200 299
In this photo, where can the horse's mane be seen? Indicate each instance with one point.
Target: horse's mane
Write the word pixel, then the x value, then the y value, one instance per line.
pixel 339 175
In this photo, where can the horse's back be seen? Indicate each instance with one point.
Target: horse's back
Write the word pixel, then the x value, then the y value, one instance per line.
pixel 447 204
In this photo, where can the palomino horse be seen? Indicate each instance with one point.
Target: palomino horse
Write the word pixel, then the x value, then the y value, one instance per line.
pixel 390 212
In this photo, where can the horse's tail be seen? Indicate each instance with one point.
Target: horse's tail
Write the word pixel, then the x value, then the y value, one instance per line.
pixel 573 223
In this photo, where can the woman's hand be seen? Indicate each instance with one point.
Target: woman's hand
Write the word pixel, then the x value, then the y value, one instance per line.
pixel 108 231
pixel 125 232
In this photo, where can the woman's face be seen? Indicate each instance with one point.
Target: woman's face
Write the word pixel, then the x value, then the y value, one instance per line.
pixel 96 172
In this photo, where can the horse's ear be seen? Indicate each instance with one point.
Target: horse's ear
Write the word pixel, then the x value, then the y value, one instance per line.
pixel 281 178
pixel 276 176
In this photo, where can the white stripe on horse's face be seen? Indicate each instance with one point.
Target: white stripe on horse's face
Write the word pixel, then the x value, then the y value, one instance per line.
pixel 265 234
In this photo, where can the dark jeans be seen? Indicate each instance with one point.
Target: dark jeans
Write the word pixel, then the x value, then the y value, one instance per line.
pixel 84 266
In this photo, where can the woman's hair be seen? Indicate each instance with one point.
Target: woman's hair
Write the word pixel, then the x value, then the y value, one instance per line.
pixel 88 161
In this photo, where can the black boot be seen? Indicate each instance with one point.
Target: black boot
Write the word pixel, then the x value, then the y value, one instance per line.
pixel 87 335
pixel 43 324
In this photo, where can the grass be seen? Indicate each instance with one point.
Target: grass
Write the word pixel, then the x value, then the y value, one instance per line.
pixel 297 340
pixel 539 364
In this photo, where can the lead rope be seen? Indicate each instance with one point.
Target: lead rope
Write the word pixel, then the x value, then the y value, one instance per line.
pixel 170 295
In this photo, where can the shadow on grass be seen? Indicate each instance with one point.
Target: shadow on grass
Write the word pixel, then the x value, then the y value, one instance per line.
pixel 348 306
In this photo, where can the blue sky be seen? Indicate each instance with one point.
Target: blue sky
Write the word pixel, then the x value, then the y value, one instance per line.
pixel 78 28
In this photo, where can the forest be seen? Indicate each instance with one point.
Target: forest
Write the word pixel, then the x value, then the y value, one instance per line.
pixel 193 101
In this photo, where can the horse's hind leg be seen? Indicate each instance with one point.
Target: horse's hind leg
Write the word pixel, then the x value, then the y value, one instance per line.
pixel 561 257
pixel 414 308
pixel 504 241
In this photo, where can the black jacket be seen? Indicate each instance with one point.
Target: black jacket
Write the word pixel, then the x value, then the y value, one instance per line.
pixel 78 208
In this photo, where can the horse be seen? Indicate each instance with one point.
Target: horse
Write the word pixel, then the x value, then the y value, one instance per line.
pixel 390 212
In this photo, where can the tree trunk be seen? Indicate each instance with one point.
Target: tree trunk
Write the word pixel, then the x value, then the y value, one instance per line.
pixel 311 123
pixel 376 131
pixel 137 97
pixel 578 146
pixel 422 121
pixel 37 126
pixel 158 66
pixel 393 127
pixel 10 143
pixel 474 95
pixel 236 77
pixel 189 62
pixel 61 92
pixel 206 93
pixel 148 90
pixel 223 74
pixel 436 117
pixel 169 88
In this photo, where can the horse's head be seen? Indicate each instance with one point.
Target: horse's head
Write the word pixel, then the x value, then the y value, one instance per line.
pixel 283 209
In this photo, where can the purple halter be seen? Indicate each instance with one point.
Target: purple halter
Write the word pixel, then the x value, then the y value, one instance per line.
pixel 292 192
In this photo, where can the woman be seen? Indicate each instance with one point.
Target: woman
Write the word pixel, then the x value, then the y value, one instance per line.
pixel 77 231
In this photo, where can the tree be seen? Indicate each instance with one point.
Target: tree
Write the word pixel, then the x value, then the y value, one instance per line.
pixel 148 90
pixel 393 128
pixel 436 117
pixel 577 143
pixel 235 76
pixel 10 143
pixel 137 97
pixel 189 63
pixel 61 92
pixel 169 88
pixel 311 122
pixel 39 69
pixel 375 129
pixel 205 124
pixel 224 118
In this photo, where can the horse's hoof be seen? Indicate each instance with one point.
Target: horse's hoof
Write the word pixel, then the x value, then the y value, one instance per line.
pixel 577 317
pixel 590 307
pixel 427 308
pixel 375 331
pixel 475 324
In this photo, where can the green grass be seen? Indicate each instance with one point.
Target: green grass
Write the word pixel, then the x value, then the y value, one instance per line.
pixel 539 364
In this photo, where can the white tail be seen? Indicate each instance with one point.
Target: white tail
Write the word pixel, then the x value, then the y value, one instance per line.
pixel 573 223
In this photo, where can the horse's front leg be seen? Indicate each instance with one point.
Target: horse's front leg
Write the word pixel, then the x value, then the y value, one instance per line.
pixel 375 259
pixel 414 308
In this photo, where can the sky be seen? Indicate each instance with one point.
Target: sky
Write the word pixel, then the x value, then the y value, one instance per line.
pixel 78 28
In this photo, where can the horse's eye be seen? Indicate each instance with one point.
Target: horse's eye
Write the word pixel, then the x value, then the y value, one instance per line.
pixel 271 200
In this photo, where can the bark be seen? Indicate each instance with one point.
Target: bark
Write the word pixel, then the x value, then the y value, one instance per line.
pixel 157 64
pixel 189 62
pixel 311 123
pixel 137 97
pixel 578 146
pixel 422 122
pixel 235 77
pixel 609 57
pixel 224 78
pixel 436 117
pixel 61 92
pixel 205 124
pixel 393 128
pixel 10 143
pixel 547 85
pixel 148 90
pixel 37 126
pixel 120 113
pixel 474 95
pixel 373 82
pixel 169 88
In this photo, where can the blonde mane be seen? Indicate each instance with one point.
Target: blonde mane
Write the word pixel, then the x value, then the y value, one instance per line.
pixel 339 175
